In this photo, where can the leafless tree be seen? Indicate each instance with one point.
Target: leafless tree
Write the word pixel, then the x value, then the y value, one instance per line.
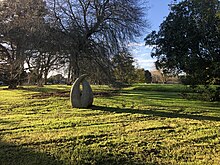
pixel 96 29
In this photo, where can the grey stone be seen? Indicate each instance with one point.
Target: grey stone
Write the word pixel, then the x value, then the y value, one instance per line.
pixel 84 98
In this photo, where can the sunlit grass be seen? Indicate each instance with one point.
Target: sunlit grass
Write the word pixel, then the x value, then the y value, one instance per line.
pixel 141 124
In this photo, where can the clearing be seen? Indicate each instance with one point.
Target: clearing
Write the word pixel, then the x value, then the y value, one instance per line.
pixel 142 124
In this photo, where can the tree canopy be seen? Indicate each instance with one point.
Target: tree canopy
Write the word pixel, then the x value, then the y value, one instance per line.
pixel 81 36
pixel 188 41
pixel 97 30
pixel 19 21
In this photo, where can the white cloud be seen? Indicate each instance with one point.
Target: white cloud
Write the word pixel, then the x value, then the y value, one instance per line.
pixel 147 61
pixel 146 64
pixel 139 44
pixel 142 55
pixel 136 44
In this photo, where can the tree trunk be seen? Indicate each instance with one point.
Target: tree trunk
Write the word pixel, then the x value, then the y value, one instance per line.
pixel 45 76
pixel 77 68
pixel 69 73
pixel 12 84
pixel 40 80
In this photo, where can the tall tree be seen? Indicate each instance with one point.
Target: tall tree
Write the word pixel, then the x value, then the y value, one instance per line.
pixel 188 41
pixel 18 21
pixel 97 29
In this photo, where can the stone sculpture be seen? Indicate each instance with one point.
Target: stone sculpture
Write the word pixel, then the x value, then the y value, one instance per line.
pixel 84 98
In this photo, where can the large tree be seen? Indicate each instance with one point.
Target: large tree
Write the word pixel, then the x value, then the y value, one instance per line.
pixel 18 21
pixel 188 41
pixel 46 54
pixel 96 30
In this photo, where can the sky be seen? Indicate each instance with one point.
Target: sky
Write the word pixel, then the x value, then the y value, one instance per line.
pixel 159 9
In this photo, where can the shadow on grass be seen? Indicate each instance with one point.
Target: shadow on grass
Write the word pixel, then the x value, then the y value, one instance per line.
pixel 156 113
pixel 11 154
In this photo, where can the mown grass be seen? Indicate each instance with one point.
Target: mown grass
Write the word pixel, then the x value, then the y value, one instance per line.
pixel 142 124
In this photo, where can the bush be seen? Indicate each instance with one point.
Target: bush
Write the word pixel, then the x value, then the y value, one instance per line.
pixel 206 93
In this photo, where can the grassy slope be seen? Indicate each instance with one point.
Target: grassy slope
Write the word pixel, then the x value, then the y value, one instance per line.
pixel 143 124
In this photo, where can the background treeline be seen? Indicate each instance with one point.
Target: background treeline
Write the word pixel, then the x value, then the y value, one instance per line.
pixel 76 36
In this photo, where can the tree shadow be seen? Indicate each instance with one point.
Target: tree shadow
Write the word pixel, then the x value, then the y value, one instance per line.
pixel 72 150
pixel 11 154
pixel 156 113
pixel 171 100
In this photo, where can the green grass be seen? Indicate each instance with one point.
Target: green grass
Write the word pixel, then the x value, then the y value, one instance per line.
pixel 142 124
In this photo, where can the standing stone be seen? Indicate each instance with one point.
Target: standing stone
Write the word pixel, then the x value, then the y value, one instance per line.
pixel 84 98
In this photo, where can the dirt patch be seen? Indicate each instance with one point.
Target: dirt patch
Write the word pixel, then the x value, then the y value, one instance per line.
pixel 67 94
pixel 44 95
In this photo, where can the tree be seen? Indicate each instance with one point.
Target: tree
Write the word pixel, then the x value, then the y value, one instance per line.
pixel 139 75
pixel 18 21
pixel 46 54
pixel 188 41
pixel 148 76
pixel 124 70
pixel 96 29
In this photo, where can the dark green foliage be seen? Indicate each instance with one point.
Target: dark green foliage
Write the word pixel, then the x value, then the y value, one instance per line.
pixel 124 69
pixel 188 41
pixel 205 93
pixel 148 76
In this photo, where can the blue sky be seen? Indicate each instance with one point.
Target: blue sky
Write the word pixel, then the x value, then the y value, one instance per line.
pixel 159 9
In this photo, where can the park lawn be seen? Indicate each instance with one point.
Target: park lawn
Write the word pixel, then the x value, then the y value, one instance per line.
pixel 141 124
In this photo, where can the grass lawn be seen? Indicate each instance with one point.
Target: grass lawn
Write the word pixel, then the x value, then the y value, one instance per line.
pixel 142 124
